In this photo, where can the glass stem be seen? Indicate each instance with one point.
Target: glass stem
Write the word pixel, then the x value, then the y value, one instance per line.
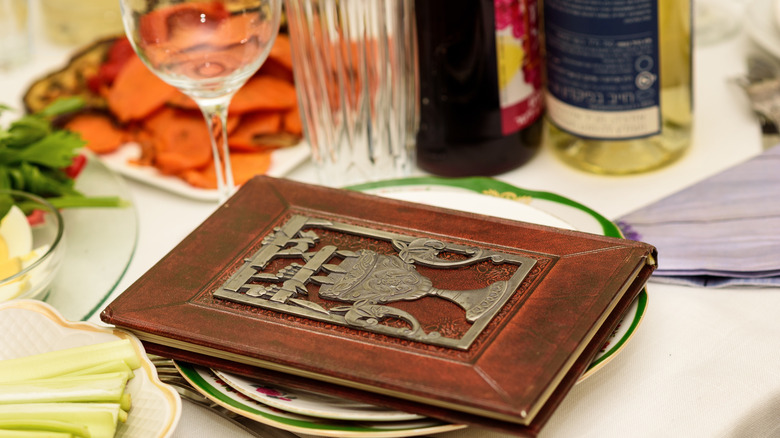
pixel 216 120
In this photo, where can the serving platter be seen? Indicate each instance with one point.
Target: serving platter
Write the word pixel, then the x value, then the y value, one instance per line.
pixel 32 327
pixel 99 245
pixel 283 160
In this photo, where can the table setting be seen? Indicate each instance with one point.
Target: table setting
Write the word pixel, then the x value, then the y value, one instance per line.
pixel 694 353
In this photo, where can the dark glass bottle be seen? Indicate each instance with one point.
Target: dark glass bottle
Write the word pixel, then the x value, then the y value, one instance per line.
pixel 480 85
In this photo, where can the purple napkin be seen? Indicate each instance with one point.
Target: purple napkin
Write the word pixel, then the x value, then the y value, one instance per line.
pixel 722 231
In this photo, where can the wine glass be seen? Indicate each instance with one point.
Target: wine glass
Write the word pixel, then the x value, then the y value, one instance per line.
pixel 207 49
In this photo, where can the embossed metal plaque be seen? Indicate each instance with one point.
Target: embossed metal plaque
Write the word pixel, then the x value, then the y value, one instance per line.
pixel 298 271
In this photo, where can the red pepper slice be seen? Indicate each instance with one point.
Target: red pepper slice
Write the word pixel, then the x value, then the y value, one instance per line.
pixel 36 217
pixel 76 166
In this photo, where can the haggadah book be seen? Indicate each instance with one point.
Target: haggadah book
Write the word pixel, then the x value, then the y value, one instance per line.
pixel 458 316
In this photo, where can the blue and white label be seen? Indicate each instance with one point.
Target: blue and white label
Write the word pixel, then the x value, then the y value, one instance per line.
pixel 602 67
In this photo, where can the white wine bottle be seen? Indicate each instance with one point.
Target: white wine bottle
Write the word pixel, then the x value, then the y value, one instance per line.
pixel 619 83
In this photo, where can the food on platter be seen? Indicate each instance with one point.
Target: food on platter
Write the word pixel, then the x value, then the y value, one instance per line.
pixel 127 104
pixel 80 391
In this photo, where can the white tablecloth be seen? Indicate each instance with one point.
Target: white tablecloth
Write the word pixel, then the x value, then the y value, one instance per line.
pixel 702 362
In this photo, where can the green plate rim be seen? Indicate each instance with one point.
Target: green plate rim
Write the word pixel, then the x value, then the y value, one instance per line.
pixel 191 373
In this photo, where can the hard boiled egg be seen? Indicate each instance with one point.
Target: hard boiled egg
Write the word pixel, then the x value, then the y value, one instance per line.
pixel 16 253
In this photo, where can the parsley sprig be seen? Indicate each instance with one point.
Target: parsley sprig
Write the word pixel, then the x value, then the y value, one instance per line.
pixel 34 156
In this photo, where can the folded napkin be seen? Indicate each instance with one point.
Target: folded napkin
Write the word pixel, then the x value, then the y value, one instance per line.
pixel 722 231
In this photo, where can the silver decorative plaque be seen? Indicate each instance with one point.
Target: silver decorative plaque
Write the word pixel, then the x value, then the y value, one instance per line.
pixel 295 272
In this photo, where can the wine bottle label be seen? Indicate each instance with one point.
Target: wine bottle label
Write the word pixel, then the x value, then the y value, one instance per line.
pixel 518 63
pixel 602 67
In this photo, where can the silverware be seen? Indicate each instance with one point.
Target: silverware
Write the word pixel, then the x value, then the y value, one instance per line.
pixel 169 374
pixel 762 86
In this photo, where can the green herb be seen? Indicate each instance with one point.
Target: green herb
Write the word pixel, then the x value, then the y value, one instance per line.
pixel 34 155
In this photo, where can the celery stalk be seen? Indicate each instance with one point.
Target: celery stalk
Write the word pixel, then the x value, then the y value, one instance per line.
pixel 63 427
pixel 125 401
pixel 96 388
pixel 99 418
pixel 55 363
pixel 116 366
pixel 5 433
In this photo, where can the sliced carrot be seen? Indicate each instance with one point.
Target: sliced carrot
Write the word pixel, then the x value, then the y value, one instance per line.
pixel 118 54
pixel 275 69
pixel 182 101
pixel 157 26
pixel 260 93
pixel 281 51
pixel 181 140
pixel 145 140
pixel 292 122
pixel 245 166
pixel 233 122
pixel 137 92
pixel 251 126
pixel 263 93
pixel 99 131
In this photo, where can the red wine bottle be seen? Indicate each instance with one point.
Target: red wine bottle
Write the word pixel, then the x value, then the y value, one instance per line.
pixel 481 98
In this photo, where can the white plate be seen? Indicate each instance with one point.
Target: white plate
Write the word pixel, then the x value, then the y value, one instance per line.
pixel 510 202
pixel 761 24
pixel 478 195
pixel 283 161
pixel 309 403
pixel 205 381
pixel 99 244
pixel 325 406
pixel 31 327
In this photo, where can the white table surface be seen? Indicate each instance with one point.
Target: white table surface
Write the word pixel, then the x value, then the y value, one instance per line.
pixel 704 362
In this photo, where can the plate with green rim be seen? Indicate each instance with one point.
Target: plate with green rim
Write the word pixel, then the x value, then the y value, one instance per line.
pixel 206 382
pixel 100 243
pixel 577 215
pixel 478 195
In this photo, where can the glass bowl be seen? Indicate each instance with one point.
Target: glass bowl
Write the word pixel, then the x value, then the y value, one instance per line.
pixel 31 246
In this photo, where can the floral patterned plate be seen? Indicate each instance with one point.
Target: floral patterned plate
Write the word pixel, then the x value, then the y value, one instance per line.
pixel 311 403
pixel 213 387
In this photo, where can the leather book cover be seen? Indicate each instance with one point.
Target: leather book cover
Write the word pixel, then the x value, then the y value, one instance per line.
pixel 455 315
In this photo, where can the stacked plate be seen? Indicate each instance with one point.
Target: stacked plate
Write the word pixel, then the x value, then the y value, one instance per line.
pixel 306 412
pixel 323 415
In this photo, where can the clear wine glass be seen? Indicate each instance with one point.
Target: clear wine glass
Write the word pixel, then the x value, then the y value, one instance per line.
pixel 207 49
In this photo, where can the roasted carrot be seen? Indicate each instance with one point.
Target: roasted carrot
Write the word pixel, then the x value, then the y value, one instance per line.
pixel 158 26
pixel 137 92
pixel 99 131
pixel 116 57
pixel 245 166
pixel 275 69
pixel 292 122
pixel 181 140
pixel 252 126
pixel 263 93
pixel 281 51
pixel 260 93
